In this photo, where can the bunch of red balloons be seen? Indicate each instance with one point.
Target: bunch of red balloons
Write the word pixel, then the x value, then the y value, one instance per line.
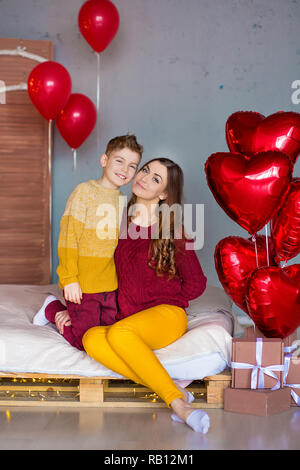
pixel 49 88
pixel 254 184
pixel 50 84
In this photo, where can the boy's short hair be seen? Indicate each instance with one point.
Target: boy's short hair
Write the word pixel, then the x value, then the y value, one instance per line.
pixel 124 141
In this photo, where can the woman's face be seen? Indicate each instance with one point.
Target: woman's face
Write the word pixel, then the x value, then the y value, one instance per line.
pixel 151 181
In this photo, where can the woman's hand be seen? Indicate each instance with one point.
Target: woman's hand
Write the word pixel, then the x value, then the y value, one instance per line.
pixel 62 319
pixel 73 293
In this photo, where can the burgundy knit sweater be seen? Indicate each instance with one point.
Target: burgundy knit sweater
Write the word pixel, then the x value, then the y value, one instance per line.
pixel 140 288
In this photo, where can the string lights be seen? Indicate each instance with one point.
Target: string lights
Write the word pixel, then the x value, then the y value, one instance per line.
pixel 63 389
pixel 38 389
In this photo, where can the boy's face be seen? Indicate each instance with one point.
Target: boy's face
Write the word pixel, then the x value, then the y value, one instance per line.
pixel 119 167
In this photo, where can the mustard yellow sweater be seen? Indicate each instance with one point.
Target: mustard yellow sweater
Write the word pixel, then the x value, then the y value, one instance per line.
pixel 89 232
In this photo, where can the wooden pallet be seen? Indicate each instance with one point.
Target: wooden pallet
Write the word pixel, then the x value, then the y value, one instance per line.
pixel 20 389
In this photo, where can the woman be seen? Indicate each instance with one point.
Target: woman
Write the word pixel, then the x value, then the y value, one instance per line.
pixel 157 277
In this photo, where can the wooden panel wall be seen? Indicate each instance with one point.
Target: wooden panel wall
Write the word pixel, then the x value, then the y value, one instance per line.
pixel 25 174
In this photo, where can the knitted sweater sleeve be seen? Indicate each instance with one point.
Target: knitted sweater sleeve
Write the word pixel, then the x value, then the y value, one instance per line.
pixel 193 280
pixel 71 228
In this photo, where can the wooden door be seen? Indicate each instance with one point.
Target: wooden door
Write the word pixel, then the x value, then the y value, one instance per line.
pixel 25 174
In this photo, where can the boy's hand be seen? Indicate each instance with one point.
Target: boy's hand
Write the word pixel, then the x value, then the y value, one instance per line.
pixel 62 319
pixel 73 293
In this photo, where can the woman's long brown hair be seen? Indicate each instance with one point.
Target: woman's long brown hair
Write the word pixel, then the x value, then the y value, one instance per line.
pixel 162 254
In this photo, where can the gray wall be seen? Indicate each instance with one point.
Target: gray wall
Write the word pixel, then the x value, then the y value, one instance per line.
pixel 174 73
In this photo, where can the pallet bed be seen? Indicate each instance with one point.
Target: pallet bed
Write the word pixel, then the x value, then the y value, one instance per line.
pixel 46 390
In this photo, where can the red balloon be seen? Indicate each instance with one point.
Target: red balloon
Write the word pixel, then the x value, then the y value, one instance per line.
pixel 98 22
pixel 273 299
pixel 248 133
pixel 49 88
pixel 77 120
pixel 249 191
pixel 285 227
pixel 235 260
pixel 240 128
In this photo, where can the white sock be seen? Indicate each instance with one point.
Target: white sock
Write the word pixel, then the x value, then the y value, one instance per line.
pixel 175 417
pixel 199 421
pixel 40 318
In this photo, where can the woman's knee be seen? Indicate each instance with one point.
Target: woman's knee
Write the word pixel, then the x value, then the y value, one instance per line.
pixel 117 332
pixel 89 339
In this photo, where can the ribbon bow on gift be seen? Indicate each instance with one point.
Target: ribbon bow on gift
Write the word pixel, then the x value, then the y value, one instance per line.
pixel 287 360
pixel 258 371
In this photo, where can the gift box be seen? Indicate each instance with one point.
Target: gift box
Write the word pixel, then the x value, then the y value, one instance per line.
pixel 256 402
pixel 292 378
pixel 257 363
pixel 288 341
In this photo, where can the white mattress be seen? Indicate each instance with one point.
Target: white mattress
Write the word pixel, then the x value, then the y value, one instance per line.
pixel 205 349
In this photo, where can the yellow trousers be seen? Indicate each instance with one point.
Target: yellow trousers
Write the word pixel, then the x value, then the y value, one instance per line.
pixel 126 347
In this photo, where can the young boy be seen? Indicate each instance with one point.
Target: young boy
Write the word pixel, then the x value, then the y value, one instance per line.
pixel 86 246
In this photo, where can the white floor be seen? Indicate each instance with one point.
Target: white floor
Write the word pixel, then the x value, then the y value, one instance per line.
pixel 147 429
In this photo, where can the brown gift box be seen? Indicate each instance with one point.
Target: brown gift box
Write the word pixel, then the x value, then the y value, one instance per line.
pixel 256 402
pixel 293 377
pixel 253 332
pixel 244 351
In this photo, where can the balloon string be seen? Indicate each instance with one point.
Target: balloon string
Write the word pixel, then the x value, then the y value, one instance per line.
pixel 74 159
pixel 50 123
pixel 256 255
pixel 49 144
pixel 98 98
pixel 98 82
pixel 267 244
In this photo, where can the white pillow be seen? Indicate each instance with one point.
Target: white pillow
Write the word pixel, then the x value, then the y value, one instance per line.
pixel 213 299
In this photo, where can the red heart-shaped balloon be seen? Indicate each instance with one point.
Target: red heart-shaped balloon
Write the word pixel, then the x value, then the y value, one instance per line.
pixel 235 259
pixel 239 131
pixel 285 227
pixel 249 191
pixel 248 132
pixel 273 299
